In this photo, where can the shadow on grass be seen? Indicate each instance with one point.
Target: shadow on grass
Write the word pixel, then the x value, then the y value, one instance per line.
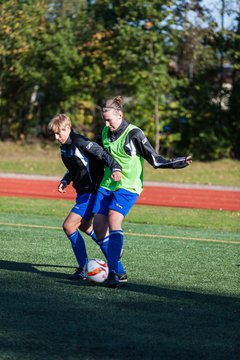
pixel 32 268
pixel 65 320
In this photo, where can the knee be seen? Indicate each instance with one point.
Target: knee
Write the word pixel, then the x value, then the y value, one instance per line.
pixel 115 220
pixel 67 228
pixel 64 226
pixel 115 225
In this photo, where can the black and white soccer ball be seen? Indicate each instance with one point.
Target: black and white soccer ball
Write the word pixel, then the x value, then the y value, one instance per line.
pixel 96 270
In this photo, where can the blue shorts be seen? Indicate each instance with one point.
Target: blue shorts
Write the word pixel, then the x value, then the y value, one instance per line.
pixel 84 205
pixel 120 200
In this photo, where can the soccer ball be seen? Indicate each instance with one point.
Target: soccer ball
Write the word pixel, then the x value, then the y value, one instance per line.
pixel 96 270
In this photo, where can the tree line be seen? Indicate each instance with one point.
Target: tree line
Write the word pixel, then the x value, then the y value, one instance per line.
pixel 177 68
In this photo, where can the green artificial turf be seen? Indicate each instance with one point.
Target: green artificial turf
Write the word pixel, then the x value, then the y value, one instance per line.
pixel 181 301
pixel 200 218
pixel 182 298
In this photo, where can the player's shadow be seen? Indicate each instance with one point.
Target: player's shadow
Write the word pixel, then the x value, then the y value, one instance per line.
pixel 62 277
pixel 34 268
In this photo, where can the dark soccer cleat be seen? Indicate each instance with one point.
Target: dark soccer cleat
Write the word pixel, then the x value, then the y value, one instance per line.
pixel 112 280
pixel 122 278
pixel 78 275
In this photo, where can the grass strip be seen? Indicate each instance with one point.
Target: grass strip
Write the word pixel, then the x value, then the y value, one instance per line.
pixel 199 218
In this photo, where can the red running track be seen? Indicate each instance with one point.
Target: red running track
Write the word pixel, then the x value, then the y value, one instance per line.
pixel 152 195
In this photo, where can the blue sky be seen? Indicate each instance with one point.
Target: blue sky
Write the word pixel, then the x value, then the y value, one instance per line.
pixel 215 7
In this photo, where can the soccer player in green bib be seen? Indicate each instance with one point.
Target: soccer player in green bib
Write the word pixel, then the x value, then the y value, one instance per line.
pixel 128 145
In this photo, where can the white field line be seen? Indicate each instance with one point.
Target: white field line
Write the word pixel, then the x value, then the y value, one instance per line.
pixel 236 242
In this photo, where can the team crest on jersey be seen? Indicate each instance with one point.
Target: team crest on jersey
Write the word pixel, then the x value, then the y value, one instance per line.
pixel 89 145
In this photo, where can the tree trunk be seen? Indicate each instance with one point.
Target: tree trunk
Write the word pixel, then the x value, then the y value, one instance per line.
pixel 157 125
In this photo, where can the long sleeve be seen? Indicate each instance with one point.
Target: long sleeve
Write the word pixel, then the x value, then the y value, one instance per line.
pixel 67 178
pixel 138 142
pixel 92 149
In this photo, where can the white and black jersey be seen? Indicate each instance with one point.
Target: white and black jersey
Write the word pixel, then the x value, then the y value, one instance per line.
pixel 137 143
pixel 85 162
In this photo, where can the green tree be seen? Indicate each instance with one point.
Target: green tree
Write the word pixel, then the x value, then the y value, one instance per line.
pixel 167 58
pixel 132 38
pixel 198 58
pixel 234 113
pixel 42 64
pixel 19 25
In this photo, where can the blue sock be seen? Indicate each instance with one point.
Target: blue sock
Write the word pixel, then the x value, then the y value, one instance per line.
pixel 79 248
pixel 103 244
pixel 120 268
pixel 114 249
pixel 92 234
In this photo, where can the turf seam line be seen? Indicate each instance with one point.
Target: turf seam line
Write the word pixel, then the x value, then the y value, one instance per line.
pixel 185 238
pixel 133 234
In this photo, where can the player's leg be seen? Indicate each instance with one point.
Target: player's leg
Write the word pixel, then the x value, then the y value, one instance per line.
pixel 79 217
pixel 87 228
pixel 70 226
pixel 72 222
pixel 115 247
pixel 100 210
pixel 119 207
pixel 101 225
pixel 100 221
pixel 102 239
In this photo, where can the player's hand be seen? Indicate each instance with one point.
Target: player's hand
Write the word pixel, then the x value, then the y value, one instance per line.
pixel 61 187
pixel 188 160
pixel 116 175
